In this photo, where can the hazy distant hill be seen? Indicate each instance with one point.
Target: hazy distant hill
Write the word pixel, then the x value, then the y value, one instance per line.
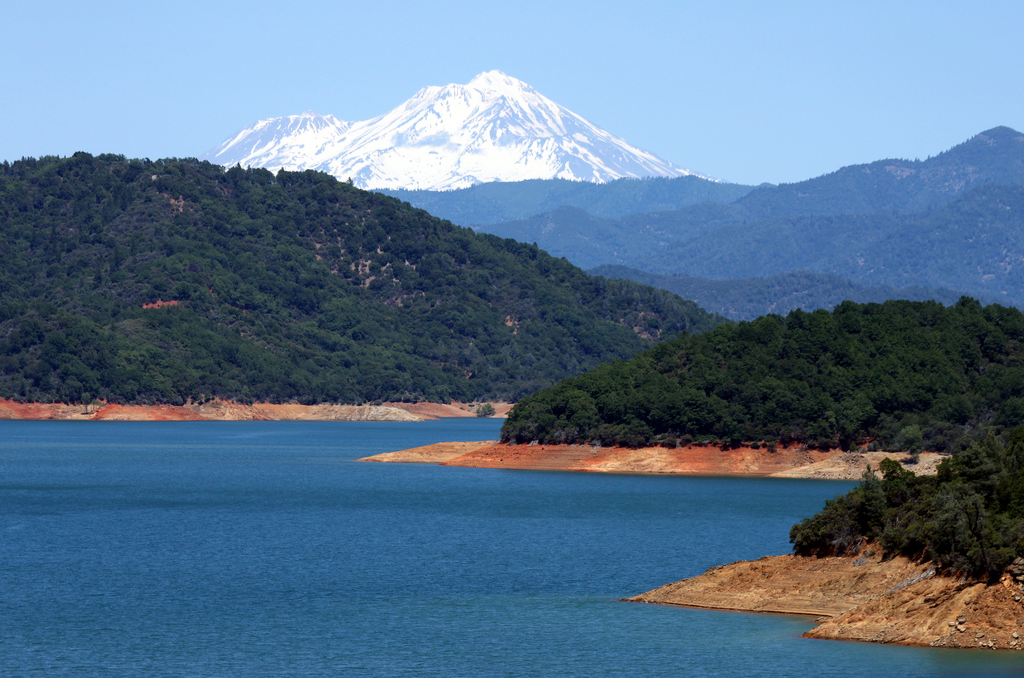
pixel 589 241
pixel 974 244
pixel 950 222
pixel 748 298
pixel 289 287
pixel 649 214
pixel 497 202
pixel 995 156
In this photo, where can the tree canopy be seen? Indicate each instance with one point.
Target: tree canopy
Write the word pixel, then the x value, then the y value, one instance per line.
pixel 138 281
pixel 862 374
pixel 969 518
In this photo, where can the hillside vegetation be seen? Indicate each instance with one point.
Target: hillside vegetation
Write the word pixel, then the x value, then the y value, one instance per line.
pixel 747 298
pixel 969 518
pixel 588 241
pixel 496 202
pixel 294 287
pixel 899 375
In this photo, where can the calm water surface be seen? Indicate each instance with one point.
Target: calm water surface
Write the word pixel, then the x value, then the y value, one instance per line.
pixel 263 548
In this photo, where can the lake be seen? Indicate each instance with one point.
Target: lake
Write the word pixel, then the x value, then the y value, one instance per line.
pixel 263 548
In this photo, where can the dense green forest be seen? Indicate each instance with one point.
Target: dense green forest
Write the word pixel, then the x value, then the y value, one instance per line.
pixel 899 375
pixel 744 299
pixel 287 287
pixel 969 518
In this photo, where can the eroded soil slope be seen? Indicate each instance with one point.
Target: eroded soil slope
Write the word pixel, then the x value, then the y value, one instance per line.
pixel 862 598
pixel 794 461
pixel 436 453
pixel 212 410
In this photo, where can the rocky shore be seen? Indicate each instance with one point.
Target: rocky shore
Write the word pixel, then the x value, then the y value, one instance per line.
pixel 864 598
pixel 697 460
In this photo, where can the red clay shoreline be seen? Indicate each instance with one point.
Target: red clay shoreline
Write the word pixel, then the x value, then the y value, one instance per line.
pixel 864 597
pixel 220 410
pixel 794 461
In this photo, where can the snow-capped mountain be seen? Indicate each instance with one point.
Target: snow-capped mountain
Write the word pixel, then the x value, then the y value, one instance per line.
pixel 495 128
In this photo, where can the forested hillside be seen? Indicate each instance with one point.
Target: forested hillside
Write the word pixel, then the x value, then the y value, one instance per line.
pixel 171 280
pixel 589 241
pixel 967 519
pixel 973 244
pixel 496 202
pixel 995 156
pixel 900 375
pixel 747 298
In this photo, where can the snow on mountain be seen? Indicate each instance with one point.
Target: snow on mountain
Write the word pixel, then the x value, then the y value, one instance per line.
pixel 495 128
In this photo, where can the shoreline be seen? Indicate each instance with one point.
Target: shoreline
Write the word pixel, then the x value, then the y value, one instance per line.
pixel 864 597
pixel 693 460
pixel 223 410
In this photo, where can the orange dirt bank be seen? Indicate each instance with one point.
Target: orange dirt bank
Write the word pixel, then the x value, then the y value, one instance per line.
pixel 863 598
pixel 793 461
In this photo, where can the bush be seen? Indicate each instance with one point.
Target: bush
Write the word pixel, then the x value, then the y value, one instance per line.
pixel 968 519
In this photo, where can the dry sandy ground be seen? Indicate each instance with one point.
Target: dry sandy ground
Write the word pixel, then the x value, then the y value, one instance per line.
pixel 862 598
pixel 213 410
pixel 435 454
pixel 792 462
pixel 230 410
pixel 454 409
pixel 850 466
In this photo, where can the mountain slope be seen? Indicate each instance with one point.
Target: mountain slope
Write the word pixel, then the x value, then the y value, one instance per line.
pixel 995 156
pixel 589 241
pixel 974 244
pixel 496 203
pixel 951 222
pixel 748 298
pixel 294 287
pixel 495 128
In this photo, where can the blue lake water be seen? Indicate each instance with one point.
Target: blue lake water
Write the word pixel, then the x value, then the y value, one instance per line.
pixel 263 548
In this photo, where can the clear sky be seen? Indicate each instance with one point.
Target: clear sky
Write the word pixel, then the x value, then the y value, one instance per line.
pixel 744 91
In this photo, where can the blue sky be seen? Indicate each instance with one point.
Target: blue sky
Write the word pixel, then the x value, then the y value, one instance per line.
pixel 745 91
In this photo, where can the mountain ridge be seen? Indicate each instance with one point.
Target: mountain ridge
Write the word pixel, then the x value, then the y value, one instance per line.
pixel 748 298
pixel 494 128
pixel 876 224
pixel 494 203
pixel 973 244
pixel 995 156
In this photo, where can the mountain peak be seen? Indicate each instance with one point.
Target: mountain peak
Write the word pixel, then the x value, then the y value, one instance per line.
pixel 496 81
pixel 1002 131
pixel 989 154
pixel 494 128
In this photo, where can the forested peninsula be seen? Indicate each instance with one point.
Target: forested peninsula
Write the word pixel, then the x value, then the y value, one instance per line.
pixel 905 376
pixel 174 281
